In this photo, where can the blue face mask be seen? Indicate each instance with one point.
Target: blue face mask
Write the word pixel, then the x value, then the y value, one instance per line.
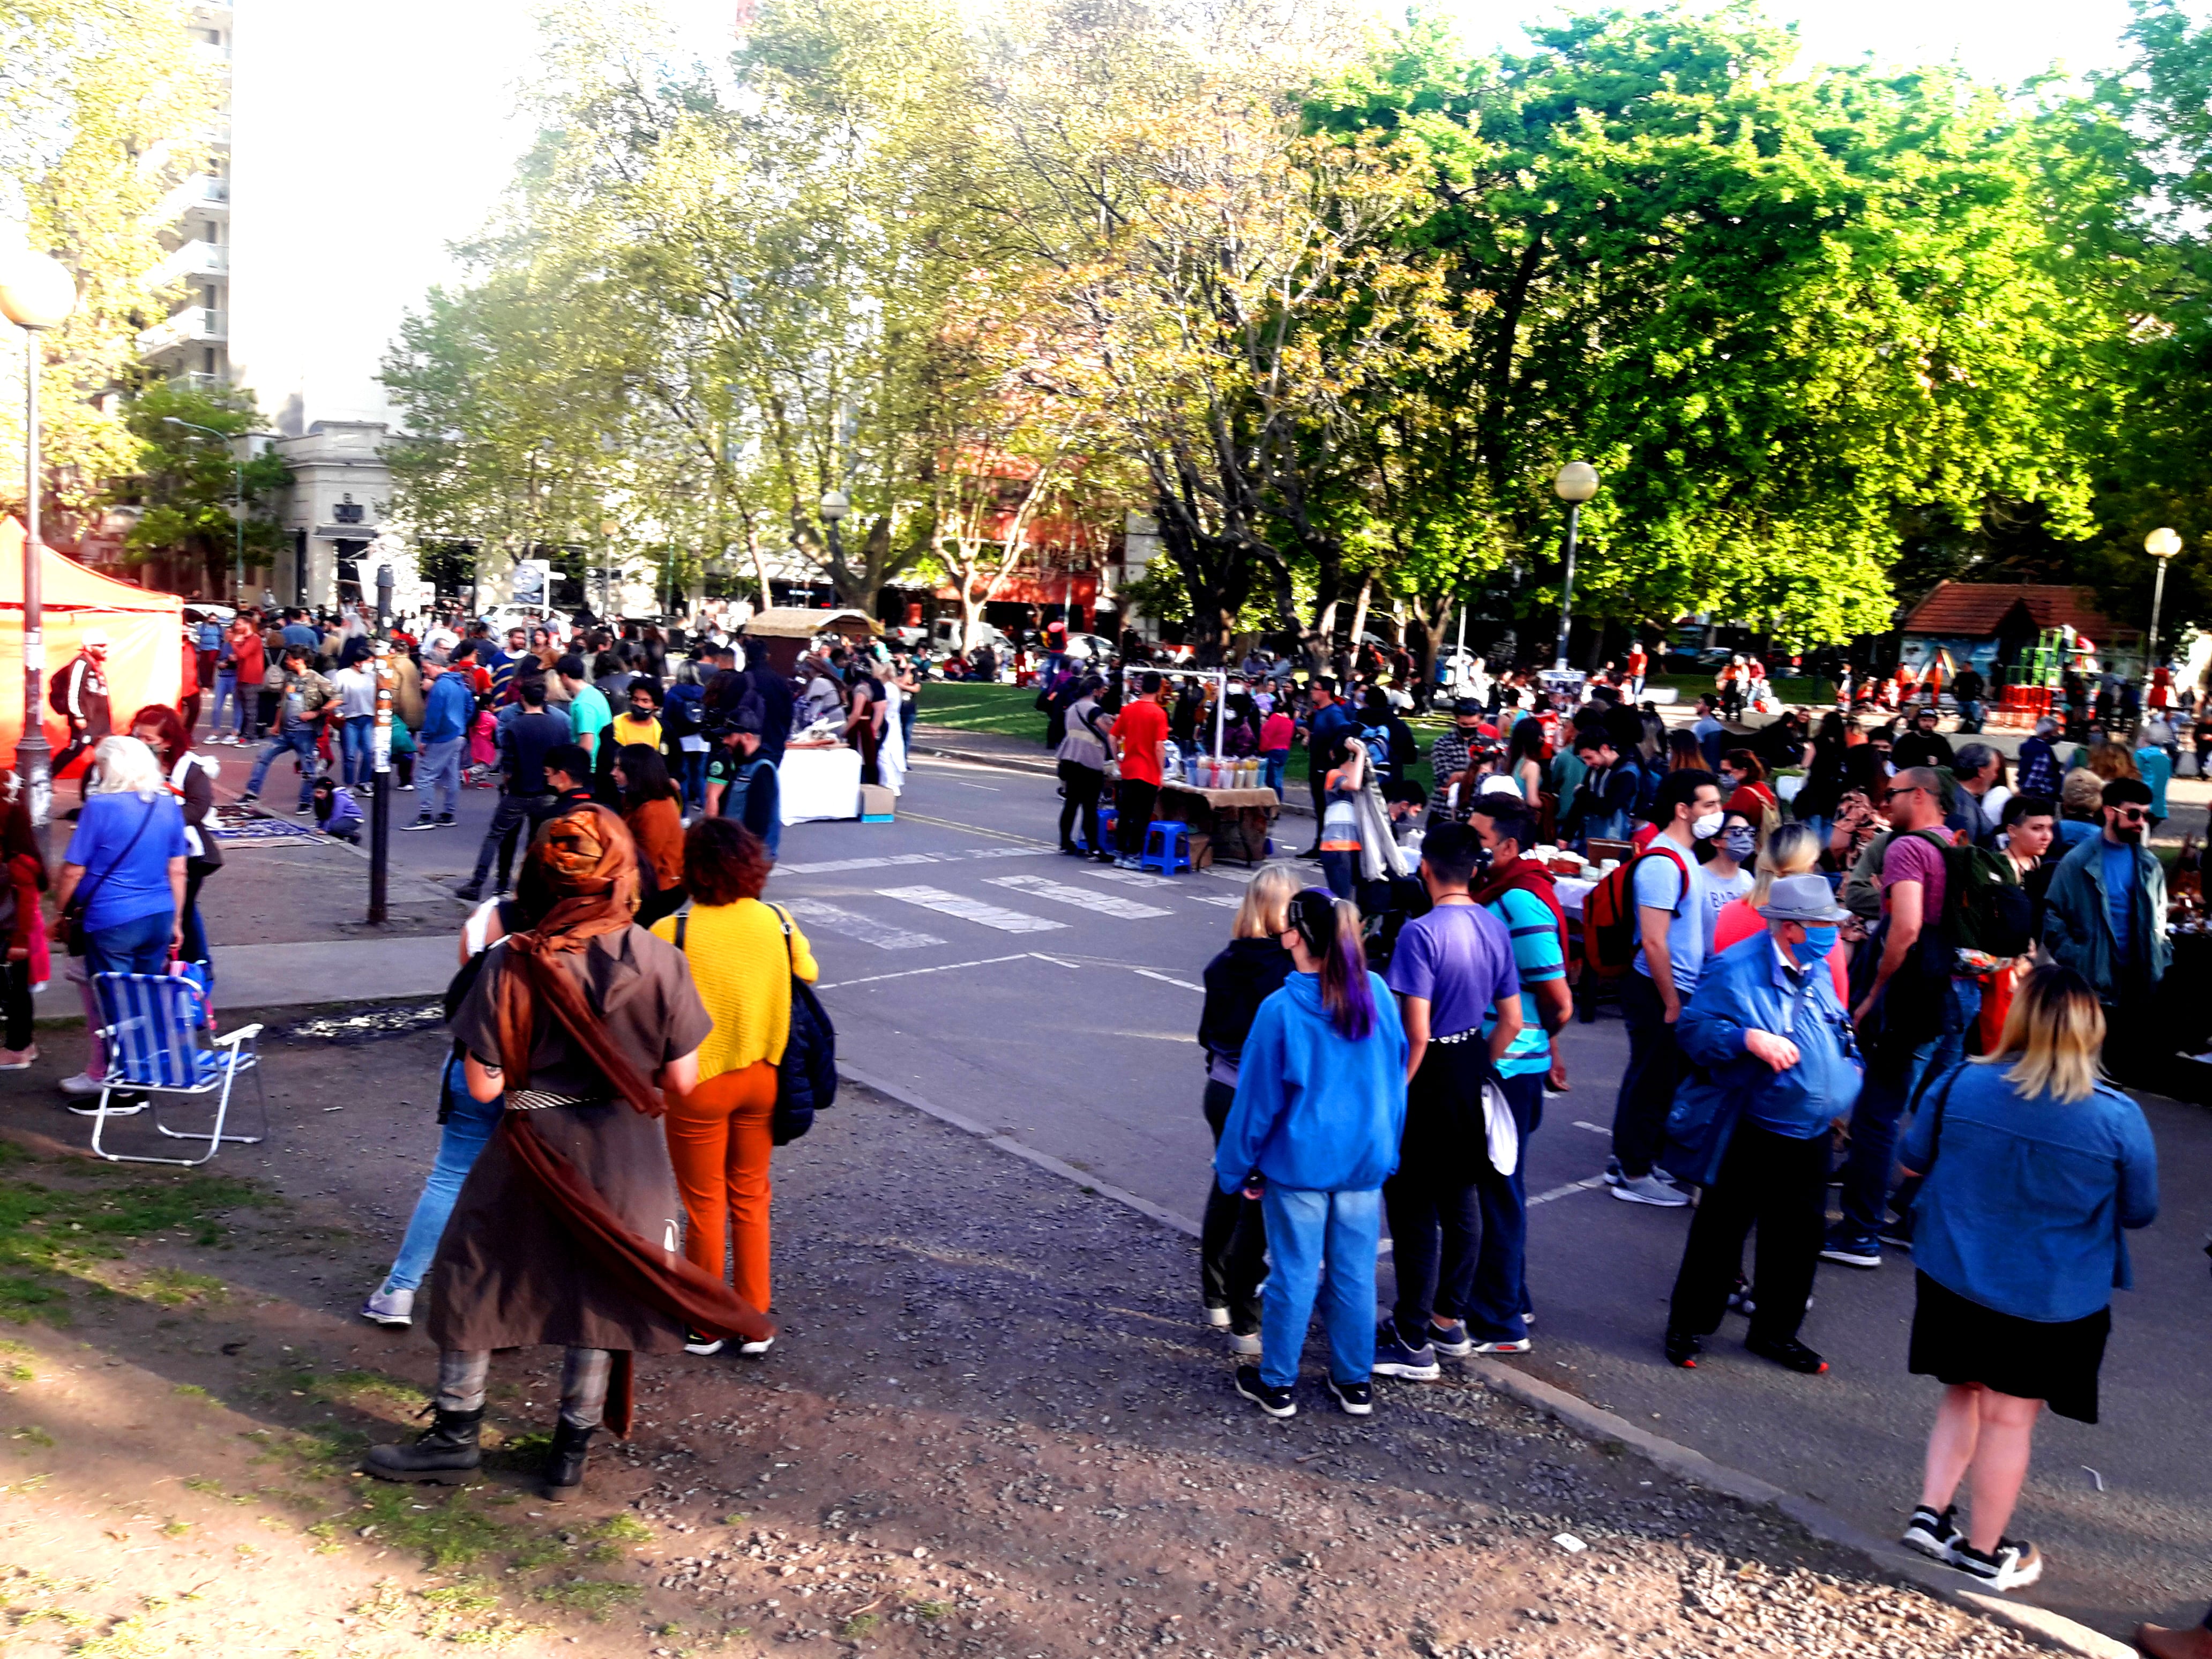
pixel 1819 941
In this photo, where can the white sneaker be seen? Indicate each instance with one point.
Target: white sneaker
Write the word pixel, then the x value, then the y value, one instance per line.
pixel 755 1350
pixel 1217 1317
pixel 1245 1346
pixel 1650 1189
pixel 695 1342
pixel 18 1059
pixel 395 1309
pixel 90 1107
pixel 81 1085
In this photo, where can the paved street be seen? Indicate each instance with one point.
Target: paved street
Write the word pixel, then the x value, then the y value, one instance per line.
pixel 1056 1002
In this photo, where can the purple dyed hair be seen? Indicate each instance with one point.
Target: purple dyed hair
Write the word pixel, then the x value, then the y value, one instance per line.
pixel 1329 927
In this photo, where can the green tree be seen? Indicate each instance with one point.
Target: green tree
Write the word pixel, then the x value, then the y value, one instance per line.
pixel 1778 311
pixel 99 104
pixel 185 484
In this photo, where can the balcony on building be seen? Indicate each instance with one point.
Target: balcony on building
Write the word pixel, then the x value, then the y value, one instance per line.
pixel 195 259
pixel 193 326
pixel 204 194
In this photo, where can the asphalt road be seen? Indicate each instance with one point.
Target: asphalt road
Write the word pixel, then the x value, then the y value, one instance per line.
pixel 1057 1002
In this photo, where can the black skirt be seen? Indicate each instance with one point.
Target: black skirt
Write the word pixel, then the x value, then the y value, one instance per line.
pixel 1957 1341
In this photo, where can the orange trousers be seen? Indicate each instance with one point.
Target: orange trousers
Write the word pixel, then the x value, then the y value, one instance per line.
pixel 719 1141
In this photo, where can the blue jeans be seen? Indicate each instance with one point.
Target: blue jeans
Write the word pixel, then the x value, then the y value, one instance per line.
pixel 438 774
pixel 298 741
pixel 469 1125
pixel 1271 772
pixel 1342 872
pixel 692 770
pixel 1893 1083
pixel 357 751
pixel 1306 1230
pixel 138 946
pixel 226 688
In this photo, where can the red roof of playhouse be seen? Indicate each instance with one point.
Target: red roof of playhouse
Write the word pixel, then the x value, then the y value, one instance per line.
pixel 1975 608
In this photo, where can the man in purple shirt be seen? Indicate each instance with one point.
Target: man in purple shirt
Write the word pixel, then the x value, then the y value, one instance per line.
pixel 1453 970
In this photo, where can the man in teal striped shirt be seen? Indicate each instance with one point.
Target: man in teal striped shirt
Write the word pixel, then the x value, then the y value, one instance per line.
pixel 1518 892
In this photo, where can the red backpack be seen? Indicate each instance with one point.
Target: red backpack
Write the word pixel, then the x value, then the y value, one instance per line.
pixel 1609 913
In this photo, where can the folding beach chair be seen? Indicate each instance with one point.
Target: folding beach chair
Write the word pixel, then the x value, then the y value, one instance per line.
pixel 156 1029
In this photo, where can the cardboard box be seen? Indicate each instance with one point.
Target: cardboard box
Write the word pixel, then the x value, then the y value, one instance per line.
pixel 877 804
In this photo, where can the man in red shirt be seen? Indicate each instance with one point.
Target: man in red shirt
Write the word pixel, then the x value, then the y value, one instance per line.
pixel 1138 731
pixel 1637 662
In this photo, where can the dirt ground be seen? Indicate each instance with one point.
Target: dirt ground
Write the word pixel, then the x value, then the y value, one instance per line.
pixel 994 1427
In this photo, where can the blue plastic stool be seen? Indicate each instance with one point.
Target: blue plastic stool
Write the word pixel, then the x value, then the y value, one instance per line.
pixel 1165 847
pixel 1105 832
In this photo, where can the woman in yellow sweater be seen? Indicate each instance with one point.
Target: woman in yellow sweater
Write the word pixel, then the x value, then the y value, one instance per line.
pixel 742 961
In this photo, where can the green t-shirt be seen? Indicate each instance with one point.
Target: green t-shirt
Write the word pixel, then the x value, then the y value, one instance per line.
pixel 588 713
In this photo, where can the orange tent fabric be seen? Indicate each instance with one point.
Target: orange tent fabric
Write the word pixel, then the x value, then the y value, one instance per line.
pixel 144 629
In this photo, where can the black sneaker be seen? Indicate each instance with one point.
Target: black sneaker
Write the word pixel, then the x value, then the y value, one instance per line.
pixel 1897 1232
pixel 469 894
pixel 2014 1563
pixel 444 820
pixel 1358 1399
pixel 700 1343
pixel 1276 1403
pixel 1683 1349
pixel 1788 1352
pixel 421 823
pixel 1396 1356
pixel 1935 1535
pixel 248 798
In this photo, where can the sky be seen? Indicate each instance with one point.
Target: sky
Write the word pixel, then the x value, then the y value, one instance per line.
pixel 388 132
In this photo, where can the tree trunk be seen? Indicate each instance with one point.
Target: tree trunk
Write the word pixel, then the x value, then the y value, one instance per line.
pixel 1359 613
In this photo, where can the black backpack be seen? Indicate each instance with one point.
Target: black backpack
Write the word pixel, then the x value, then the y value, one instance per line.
pixel 1984 907
pixel 806 1081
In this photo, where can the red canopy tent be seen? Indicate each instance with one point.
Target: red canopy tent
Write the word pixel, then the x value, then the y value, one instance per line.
pixel 145 637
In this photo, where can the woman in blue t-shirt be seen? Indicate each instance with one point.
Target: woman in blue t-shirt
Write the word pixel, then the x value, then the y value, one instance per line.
pixel 126 860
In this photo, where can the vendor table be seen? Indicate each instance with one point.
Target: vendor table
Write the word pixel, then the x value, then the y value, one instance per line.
pixel 1234 821
pixel 819 781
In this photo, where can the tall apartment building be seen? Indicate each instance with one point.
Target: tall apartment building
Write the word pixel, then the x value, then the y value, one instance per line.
pixel 266 305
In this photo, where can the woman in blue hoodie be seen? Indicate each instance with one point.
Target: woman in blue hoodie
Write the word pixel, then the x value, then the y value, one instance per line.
pixel 1320 1107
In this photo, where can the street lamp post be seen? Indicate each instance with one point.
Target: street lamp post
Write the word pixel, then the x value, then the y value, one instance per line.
pixel 2162 544
pixel 237 502
pixel 835 505
pixel 36 295
pixel 1576 483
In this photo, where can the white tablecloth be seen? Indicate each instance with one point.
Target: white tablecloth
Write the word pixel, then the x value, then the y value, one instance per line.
pixel 1572 891
pixel 820 783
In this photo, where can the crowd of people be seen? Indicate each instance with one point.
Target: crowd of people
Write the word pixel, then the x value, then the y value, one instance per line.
pixel 1909 982
pixel 1904 979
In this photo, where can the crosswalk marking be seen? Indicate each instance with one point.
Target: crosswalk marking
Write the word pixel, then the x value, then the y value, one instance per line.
pixel 866 929
pixel 968 910
pixel 1130 877
pixel 1227 901
pixel 829 866
pixel 1083 898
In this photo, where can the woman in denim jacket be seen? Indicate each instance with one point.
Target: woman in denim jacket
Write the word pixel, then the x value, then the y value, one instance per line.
pixel 2034 1168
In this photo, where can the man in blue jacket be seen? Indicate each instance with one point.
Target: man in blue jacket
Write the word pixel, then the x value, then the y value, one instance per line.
pixel 2104 918
pixel 447 711
pixel 1778 1063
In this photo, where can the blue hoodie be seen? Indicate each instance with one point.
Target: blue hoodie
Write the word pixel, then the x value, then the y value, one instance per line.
pixel 1315 1110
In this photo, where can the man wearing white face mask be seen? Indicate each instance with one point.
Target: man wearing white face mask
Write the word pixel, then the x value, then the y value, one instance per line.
pixel 1780 1063
pixel 1671 929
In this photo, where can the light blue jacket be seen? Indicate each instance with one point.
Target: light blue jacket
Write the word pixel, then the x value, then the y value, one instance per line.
pixel 1315 1109
pixel 2026 1196
pixel 1746 989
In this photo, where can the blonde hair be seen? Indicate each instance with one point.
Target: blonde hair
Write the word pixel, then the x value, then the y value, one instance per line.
pixel 127 767
pixel 2055 1029
pixel 1791 850
pixel 2081 792
pixel 2111 762
pixel 1265 912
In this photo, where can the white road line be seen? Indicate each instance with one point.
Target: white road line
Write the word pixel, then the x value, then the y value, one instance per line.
pixel 1595 1128
pixel 1169 979
pixel 968 910
pixel 829 865
pixel 1128 878
pixel 853 925
pixel 1227 901
pixel 1572 1186
pixel 942 968
pixel 1029 852
pixel 1083 898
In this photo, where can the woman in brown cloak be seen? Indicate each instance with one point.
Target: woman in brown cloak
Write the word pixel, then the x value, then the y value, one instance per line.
pixel 567 1231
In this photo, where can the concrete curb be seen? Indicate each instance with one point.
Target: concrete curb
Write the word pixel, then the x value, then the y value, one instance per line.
pixel 2052 1630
